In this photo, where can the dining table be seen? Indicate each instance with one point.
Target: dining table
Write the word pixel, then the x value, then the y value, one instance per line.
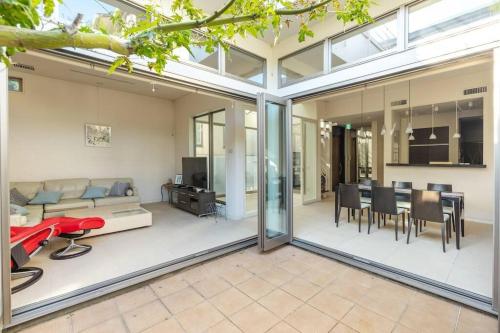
pixel 456 198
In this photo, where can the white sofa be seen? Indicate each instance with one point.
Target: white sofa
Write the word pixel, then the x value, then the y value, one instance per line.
pixel 72 190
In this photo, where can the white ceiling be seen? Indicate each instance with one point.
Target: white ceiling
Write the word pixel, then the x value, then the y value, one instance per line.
pixel 85 74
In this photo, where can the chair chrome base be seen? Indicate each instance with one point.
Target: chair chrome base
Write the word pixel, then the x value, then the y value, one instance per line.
pixel 33 273
pixel 65 253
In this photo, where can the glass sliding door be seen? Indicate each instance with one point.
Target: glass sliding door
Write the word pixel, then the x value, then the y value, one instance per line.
pixel 209 142
pixel 274 171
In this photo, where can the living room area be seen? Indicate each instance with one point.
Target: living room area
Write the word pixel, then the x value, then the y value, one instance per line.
pixel 85 144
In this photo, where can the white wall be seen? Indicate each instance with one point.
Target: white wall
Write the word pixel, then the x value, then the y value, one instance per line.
pixel 47 134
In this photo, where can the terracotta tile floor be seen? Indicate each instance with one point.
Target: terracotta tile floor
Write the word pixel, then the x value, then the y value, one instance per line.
pixel 295 291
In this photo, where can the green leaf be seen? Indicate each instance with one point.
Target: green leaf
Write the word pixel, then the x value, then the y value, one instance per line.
pixel 117 63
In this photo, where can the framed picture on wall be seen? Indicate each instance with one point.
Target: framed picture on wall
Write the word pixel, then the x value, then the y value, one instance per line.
pixel 15 84
pixel 97 135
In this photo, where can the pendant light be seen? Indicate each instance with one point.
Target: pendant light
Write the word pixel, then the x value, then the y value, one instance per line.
pixel 409 128
pixel 382 132
pixel 432 136
pixel 393 129
pixel 457 133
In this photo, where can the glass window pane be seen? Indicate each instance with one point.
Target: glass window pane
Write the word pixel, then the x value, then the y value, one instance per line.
pixel 219 128
pixel 201 137
pixel 251 150
pixel 96 14
pixel 251 167
pixel 275 172
pixel 365 42
pixel 200 56
pixel 246 66
pixel 301 65
pixel 432 17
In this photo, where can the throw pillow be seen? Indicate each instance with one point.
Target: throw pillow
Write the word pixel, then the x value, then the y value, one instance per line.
pixel 94 192
pixel 17 198
pixel 130 192
pixel 44 197
pixel 18 210
pixel 119 189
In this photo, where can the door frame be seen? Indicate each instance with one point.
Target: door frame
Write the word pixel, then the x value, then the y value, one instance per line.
pixel 317 167
pixel 264 243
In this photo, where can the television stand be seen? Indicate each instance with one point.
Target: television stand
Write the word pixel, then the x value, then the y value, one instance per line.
pixel 190 199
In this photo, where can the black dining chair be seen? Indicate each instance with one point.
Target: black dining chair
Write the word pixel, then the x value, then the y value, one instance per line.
pixel 384 202
pixel 349 198
pixel 427 206
pixel 403 199
pixel 448 207
pixel 367 195
pixel 402 185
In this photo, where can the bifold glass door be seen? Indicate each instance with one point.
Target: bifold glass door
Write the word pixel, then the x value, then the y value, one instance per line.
pixel 275 187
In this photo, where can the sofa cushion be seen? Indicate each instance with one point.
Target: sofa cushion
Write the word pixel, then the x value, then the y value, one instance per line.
pixel 44 197
pixel 17 198
pixel 67 204
pixel 109 201
pixel 109 182
pixel 119 189
pixel 19 210
pixel 93 192
pixel 28 189
pixel 70 188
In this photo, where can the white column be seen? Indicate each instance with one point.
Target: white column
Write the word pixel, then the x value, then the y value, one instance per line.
pixel 235 161
pixel 496 139
pixel 4 199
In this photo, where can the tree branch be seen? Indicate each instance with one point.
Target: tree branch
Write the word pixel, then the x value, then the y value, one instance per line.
pixel 298 11
pixel 213 21
pixel 217 13
pixel 33 39
pixel 188 25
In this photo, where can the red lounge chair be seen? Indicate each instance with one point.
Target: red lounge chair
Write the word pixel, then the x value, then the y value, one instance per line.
pixel 72 229
pixel 25 242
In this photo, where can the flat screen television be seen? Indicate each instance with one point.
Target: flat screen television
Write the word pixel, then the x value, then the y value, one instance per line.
pixel 194 171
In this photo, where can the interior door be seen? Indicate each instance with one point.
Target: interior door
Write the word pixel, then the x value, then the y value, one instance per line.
pixel 274 171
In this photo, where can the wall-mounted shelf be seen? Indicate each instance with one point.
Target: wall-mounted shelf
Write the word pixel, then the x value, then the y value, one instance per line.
pixel 476 166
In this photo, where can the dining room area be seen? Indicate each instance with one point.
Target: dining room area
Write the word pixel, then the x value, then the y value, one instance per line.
pixel 406 171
